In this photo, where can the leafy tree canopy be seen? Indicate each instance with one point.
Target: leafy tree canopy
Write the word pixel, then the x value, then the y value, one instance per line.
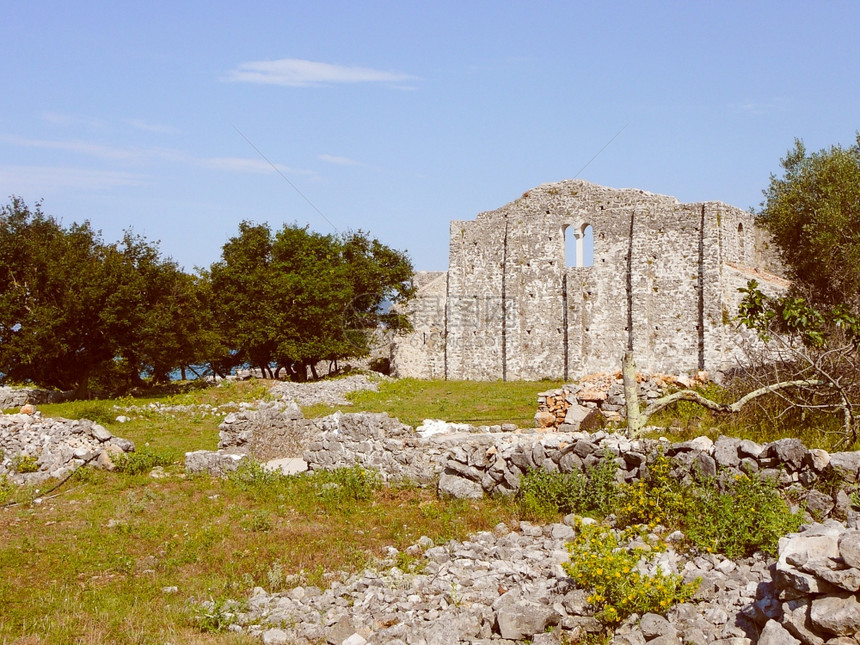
pixel 295 297
pixel 813 213
pixel 73 308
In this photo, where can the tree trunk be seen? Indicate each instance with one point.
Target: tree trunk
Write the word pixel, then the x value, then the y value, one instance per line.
pixel 636 419
pixel 635 422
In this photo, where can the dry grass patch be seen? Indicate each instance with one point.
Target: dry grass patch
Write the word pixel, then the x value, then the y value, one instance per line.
pixel 92 565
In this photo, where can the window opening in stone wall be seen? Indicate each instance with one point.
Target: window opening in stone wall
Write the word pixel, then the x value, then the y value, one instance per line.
pixel 741 242
pixel 579 246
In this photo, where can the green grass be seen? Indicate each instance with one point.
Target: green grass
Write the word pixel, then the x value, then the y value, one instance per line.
pixel 95 558
pixel 474 402
pixel 89 564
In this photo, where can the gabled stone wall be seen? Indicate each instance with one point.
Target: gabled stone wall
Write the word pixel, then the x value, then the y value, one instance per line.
pixel 663 282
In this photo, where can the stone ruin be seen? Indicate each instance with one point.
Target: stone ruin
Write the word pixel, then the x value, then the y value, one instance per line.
pixel 15 397
pixel 509 585
pixel 34 449
pixel 601 397
pixel 663 284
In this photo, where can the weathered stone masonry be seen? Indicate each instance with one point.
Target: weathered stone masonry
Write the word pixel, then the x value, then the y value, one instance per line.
pixel 663 282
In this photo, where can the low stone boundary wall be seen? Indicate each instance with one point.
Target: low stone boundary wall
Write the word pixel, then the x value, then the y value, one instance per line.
pixel 15 397
pixel 55 447
pixel 470 462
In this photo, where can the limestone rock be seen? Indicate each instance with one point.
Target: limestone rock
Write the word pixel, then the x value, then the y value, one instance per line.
pixel 654 625
pixel 451 485
pixel 544 419
pixel 837 614
pixel 518 619
pixel 775 634
pixel 849 548
pixel 217 463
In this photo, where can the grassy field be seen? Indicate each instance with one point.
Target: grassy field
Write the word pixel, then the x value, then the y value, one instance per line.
pixel 91 563
pixel 126 558
pixel 475 402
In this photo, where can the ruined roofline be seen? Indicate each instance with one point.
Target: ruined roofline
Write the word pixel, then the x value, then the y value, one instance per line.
pixel 584 194
pixel 424 279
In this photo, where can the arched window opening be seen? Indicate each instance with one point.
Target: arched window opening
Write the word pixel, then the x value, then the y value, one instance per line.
pixel 587 246
pixel 579 246
pixel 741 248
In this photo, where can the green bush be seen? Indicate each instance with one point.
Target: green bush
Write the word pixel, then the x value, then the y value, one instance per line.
pixel 737 517
pixel 748 515
pixel 545 495
pixel 601 561
pixel 141 461
pixel 22 463
pixel 658 498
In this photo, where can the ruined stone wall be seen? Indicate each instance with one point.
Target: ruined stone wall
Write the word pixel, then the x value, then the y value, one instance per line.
pixel 663 282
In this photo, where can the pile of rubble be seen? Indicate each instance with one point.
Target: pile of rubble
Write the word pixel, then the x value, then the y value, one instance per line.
pixel 34 449
pixel 602 393
pixel 506 586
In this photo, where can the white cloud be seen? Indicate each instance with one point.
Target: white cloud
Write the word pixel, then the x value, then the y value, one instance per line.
pixel 245 164
pixel 140 155
pixel 81 147
pixel 295 72
pixel 156 128
pixel 67 120
pixel 45 179
pixel 339 161
pixel 758 108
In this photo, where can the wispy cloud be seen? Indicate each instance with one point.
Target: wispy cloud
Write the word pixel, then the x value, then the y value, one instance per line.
pixel 296 72
pixel 156 128
pixel 45 179
pixel 113 153
pixel 143 155
pixel 67 120
pixel 339 161
pixel 758 108
pixel 245 164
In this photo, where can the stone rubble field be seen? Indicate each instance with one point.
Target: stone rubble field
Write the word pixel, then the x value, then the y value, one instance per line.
pixel 54 447
pixel 508 586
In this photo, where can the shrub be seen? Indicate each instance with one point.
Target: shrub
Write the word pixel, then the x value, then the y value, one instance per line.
pixel 735 516
pixel 748 515
pixel 22 463
pixel 140 461
pixel 659 498
pixel 543 495
pixel 600 561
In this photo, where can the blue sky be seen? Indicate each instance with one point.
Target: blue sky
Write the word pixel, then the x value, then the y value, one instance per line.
pixel 396 117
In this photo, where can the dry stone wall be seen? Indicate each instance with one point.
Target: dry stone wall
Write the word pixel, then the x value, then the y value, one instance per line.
pixel 15 397
pixel 465 461
pixel 34 449
pixel 663 282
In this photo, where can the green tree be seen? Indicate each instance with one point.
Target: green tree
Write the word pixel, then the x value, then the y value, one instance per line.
pixel 813 213
pixel 74 309
pixel 292 298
